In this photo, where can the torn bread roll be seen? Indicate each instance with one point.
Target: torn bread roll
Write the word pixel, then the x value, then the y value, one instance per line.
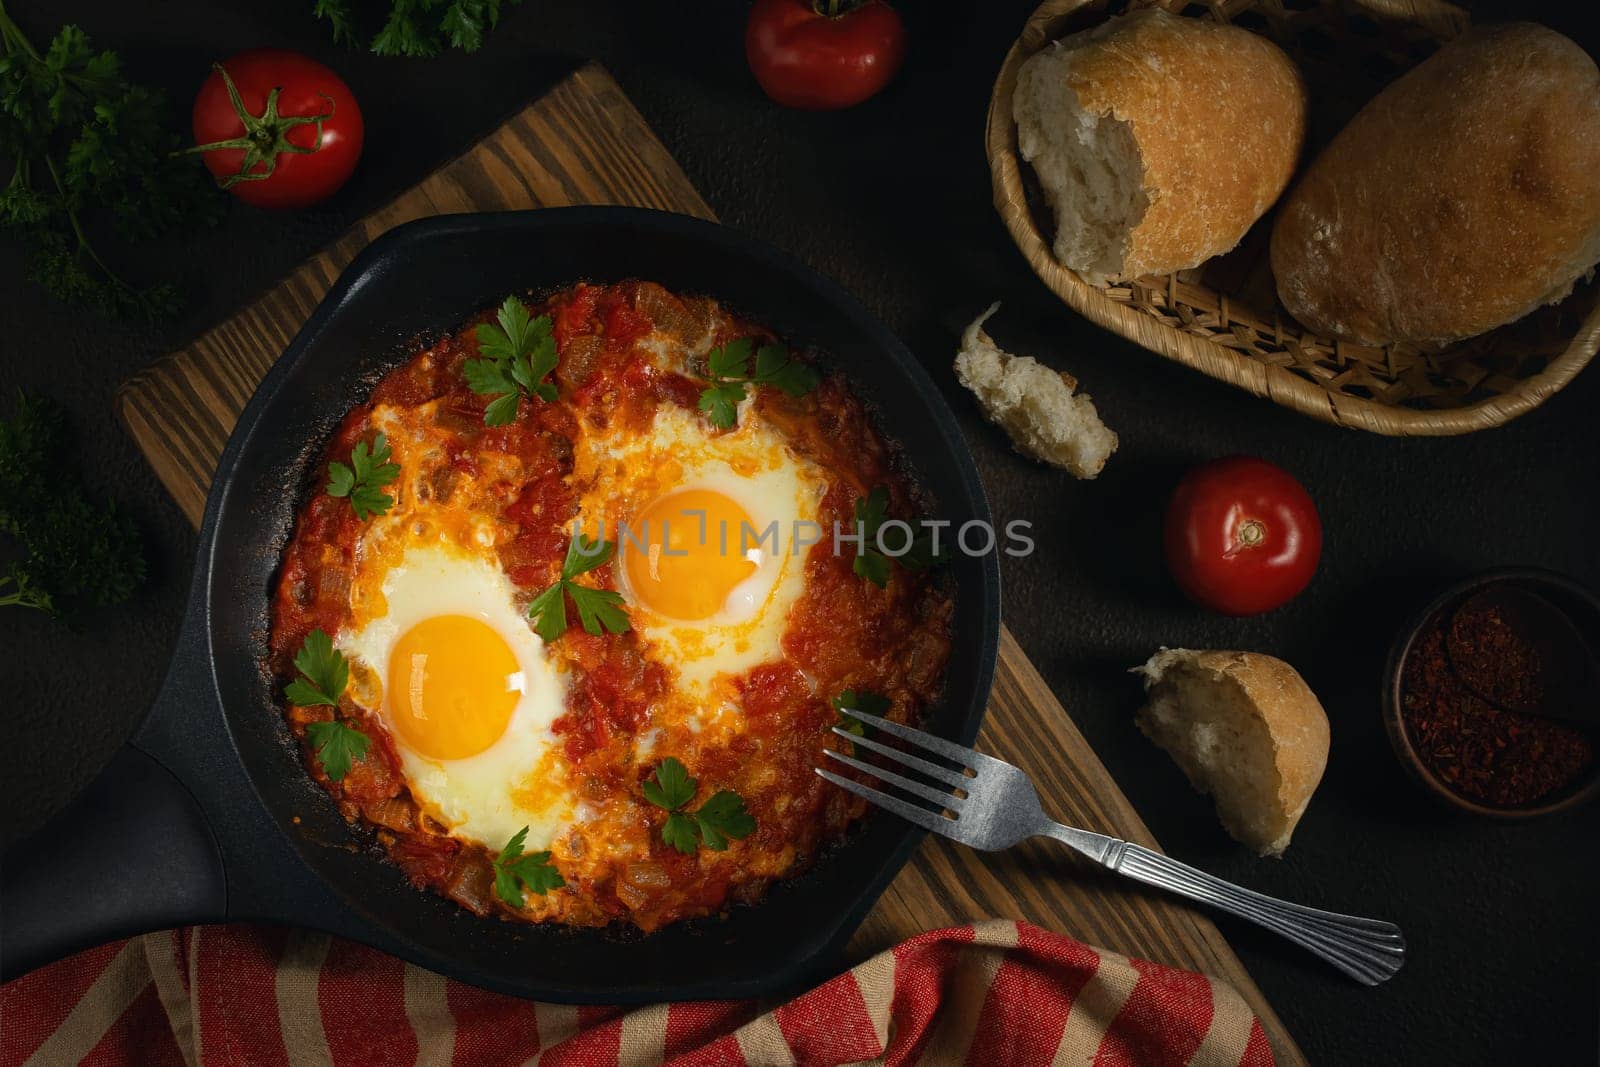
pixel 1246 729
pixel 1039 408
pixel 1158 139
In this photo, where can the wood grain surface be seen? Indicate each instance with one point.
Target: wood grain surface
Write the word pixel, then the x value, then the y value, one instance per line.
pixel 583 143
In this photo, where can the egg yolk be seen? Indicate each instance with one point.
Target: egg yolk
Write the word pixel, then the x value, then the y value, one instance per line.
pixel 698 547
pixel 453 683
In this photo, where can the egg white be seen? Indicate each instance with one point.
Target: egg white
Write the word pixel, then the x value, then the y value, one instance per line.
pixel 490 796
pixel 753 467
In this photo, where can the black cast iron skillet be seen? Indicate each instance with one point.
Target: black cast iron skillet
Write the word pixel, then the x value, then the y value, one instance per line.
pixel 207 815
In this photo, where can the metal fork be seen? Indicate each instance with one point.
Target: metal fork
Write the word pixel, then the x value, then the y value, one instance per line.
pixel 996 806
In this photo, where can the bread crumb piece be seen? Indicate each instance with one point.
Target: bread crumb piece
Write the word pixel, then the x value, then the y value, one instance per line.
pixel 1035 405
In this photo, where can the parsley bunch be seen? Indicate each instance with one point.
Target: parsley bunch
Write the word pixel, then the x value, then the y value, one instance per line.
pixel 324 674
pixel 72 546
pixel 599 609
pixel 518 354
pixel 712 824
pixel 872 511
pixel 728 372
pixel 533 871
pixel 418 27
pixel 363 480
pixel 81 137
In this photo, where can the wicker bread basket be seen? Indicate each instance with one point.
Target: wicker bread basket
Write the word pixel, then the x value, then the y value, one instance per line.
pixel 1224 319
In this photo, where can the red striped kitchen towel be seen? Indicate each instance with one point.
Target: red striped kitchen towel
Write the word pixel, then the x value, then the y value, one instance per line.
pixel 993 994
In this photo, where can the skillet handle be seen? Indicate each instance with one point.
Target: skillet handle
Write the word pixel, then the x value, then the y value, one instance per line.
pixel 132 853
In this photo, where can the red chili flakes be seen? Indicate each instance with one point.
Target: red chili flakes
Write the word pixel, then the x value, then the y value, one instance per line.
pixel 1502 758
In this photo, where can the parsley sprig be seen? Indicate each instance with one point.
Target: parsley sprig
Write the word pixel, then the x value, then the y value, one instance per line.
pixel 719 818
pixel 337 745
pixel 86 144
pixel 600 610
pixel 324 674
pixel 74 549
pixel 872 511
pixel 859 700
pixel 417 27
pixel 369 470
pixel 532 870
pixel 517 355
pixel 728 372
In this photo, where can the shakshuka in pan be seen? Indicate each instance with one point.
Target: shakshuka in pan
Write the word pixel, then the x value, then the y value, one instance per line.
pixel 565 621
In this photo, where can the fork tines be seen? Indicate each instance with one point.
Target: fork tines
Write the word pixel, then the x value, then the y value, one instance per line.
pixel 946 804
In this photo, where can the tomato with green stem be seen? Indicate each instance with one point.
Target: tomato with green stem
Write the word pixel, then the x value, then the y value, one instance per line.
pixel 1242 536
pixel 823 55
pixel 277 129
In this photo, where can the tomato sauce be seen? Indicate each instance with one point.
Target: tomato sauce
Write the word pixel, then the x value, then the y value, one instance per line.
pixel 843 632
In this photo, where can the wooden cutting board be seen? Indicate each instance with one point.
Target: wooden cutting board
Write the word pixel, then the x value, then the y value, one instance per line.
pixel 583 143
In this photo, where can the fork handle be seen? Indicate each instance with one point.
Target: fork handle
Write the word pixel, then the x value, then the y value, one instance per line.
pixel 1368 950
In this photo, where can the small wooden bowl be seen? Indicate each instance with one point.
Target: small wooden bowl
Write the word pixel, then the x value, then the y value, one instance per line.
pixel 1223 318
pixel 1581 606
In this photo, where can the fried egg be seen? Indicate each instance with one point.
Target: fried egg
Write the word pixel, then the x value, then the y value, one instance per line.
pixel 711 533
pixel 468 692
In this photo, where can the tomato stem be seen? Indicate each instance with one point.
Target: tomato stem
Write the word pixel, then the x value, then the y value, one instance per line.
pixel 266 136
pixel 1251 532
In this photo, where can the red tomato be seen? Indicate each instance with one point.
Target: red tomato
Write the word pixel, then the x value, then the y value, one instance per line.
pixel 1242 536
pixel 823 55
pixel 292 138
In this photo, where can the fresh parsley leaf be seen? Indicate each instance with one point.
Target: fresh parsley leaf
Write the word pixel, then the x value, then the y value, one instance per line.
pixel 718 819
pixel 777 368
pixel 671 787
pixel 730 360
pixel 342 22
pixel 871 510
pixel 509 339
pixel 584 555
pixel 859 700
pixel 324 673
pixel 419 28
pixel 532 870
pixel 341 479
pixel 502 409
pixel 337 746
pixel 599 610
pixel 518 353
pixel 721 404
pixel 369 469
pixel 73 548
pixel 728 372
pixel 920 555
pixel 722 817
pixel 873 566
pixel 681 832
pixel 549 612
pixel 488 376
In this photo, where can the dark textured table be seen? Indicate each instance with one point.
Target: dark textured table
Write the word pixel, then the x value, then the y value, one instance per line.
pixel 892 199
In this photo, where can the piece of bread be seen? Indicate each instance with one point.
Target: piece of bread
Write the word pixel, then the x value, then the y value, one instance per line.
pixel 1158 139
pixel 1462 197
pixel 1246 729
pixel 1036 406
